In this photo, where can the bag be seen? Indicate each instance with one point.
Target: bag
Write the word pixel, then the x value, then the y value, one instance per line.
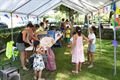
pixel 31 59
pixel 45 58
pixel 51 65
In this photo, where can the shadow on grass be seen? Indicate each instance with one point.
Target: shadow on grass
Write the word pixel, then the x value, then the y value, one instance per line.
pixel 104 69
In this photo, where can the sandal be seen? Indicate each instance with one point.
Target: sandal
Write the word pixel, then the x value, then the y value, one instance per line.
pixel 26 69
pixel 35 78
pixel 75 72
pixel 27 60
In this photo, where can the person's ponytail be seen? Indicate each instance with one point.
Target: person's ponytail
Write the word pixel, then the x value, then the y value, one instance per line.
pixel 78 31
pixel 94 30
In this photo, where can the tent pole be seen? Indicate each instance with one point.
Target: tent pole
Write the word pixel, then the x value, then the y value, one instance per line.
pixel 115 41
pixel 37 20
pixel 13 56
pixel 99 32
pixel 28 17
pixel 11 26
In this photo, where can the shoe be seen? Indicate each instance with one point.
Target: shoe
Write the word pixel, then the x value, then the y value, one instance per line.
pixel 86 63
pixel 90 66
pixel 35 78
pixel 26 69
pixel 27 60
pixel 75 72
pixel 41 79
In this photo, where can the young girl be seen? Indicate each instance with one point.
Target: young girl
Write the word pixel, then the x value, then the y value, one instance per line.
pixel 67 34
pixel 91 46
pixel 77 50
pixel 38 63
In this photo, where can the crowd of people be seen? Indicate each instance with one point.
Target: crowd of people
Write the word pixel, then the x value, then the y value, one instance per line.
pixel 28 37
pixel 75 41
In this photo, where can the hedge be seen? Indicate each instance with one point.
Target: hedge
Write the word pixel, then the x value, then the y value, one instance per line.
pixel 5 35
pixel 105 34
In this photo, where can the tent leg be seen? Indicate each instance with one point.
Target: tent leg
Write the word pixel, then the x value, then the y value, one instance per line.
pixel 28 17
pixel 37 20
pixel 13 57
pixel 114 40
pixel 114 48
pixel 11 26
pixel 100 36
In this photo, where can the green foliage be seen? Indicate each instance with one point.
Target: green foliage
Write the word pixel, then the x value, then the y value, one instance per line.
pixel 6 34
pixel 8 30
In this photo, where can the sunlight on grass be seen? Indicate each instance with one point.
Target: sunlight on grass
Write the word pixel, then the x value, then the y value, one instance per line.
pixel 103 50
pixel 5 59
pixel 61 75
pixel 66 53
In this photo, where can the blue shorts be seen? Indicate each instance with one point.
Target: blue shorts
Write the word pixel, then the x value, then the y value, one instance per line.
pixel 92 48
pixel 20 47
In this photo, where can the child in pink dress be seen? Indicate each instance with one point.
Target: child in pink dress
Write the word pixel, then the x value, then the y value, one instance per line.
pixel 78 50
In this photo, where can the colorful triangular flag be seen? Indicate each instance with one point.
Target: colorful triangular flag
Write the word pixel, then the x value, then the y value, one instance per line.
pixel 6 16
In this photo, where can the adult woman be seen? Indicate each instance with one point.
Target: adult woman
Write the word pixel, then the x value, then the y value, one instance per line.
pixel 23 41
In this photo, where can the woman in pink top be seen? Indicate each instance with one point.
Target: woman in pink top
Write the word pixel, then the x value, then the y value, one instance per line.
pixel 77 50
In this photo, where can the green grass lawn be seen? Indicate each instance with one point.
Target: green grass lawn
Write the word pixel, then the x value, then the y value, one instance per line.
pixel 102 70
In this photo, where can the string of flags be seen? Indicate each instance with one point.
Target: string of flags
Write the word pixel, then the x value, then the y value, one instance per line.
pixel 115 21
pixel 17 16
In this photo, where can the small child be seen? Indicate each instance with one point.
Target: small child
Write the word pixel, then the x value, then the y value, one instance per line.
pixel 91 45
pixel 38 63
pixel 67 34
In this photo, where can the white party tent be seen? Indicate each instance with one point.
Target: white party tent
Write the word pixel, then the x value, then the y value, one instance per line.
pixel 40 7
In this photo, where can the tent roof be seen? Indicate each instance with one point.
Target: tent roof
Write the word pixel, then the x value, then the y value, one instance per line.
pixel 40 7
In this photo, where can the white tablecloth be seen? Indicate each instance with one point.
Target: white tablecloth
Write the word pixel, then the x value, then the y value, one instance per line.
pixel 56 38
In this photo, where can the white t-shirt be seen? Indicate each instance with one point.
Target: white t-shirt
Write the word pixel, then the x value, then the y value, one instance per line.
pixel 92 36
pixel 71 39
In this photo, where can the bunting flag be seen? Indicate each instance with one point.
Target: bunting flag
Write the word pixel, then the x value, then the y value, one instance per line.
pixel 17 16
pixel 22 19
pixel 6 16
pixel 114 21
pixel 33 17
pixel 113 6
pixel 25 18
pixel 106 9
pixel 117 11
